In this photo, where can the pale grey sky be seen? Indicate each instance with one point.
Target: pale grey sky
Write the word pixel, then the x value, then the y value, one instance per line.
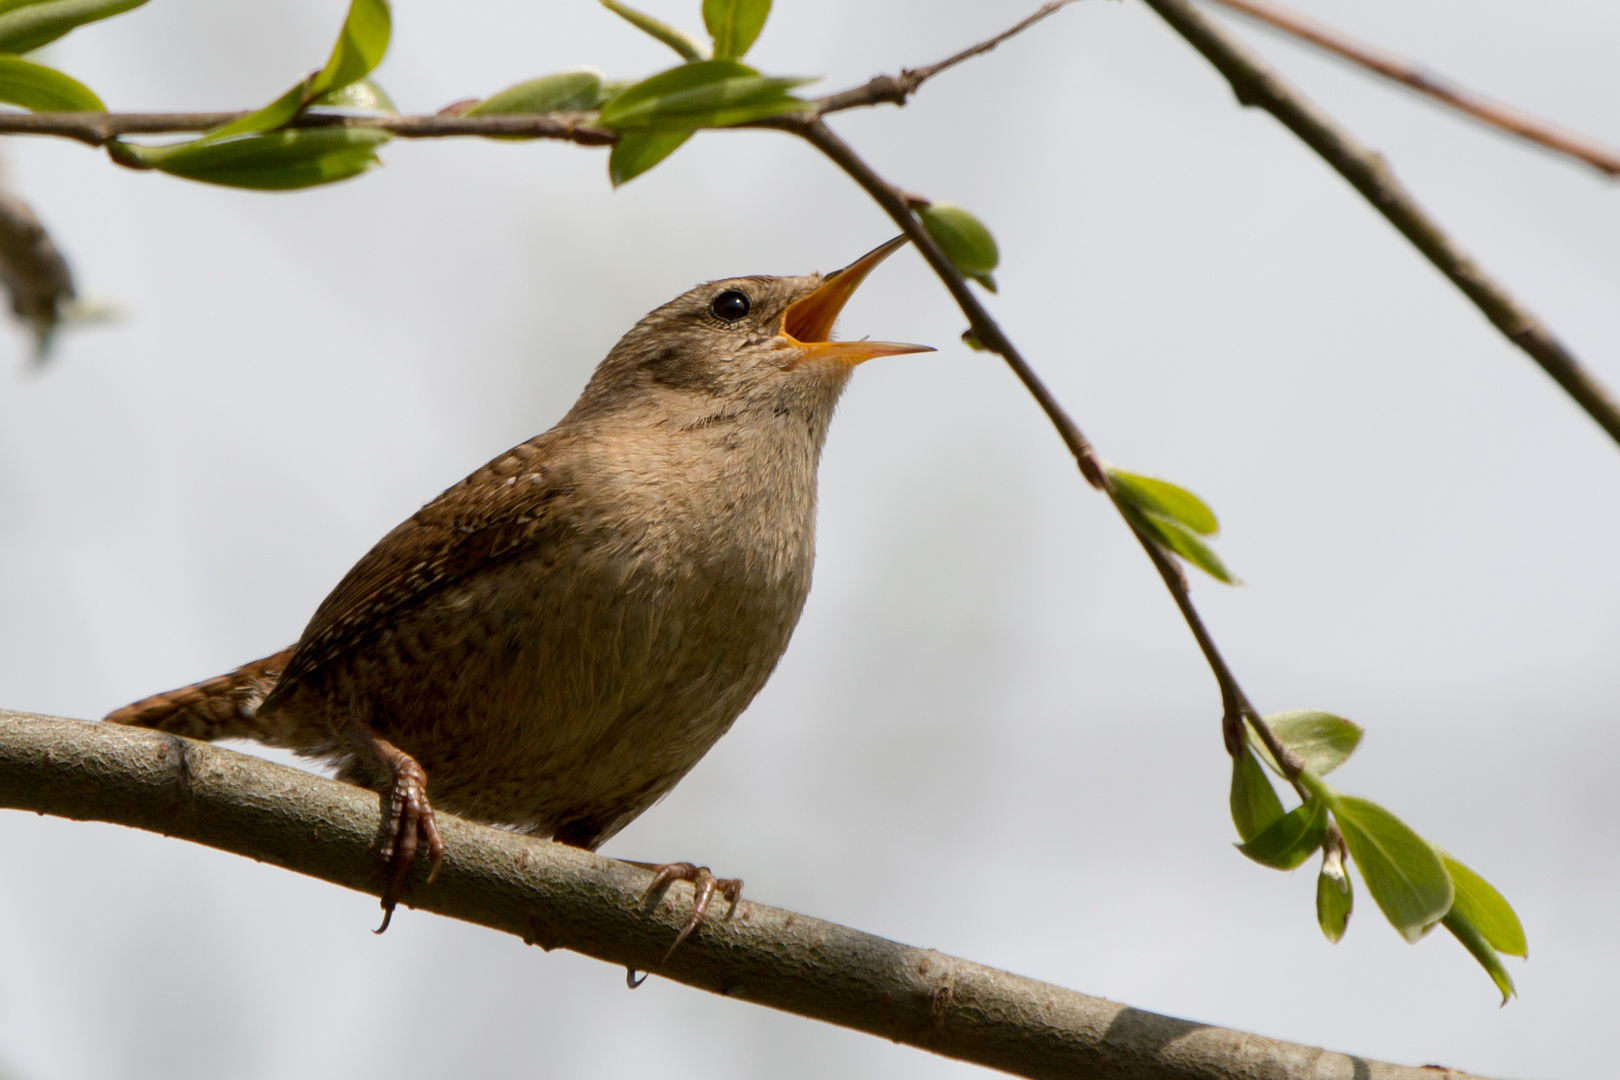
pixel 991 734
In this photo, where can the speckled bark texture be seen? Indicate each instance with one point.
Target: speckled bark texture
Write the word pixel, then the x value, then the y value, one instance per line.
pixel 560 897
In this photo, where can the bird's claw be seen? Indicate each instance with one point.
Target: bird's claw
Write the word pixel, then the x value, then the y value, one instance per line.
pixel 704 886
pixel 410 822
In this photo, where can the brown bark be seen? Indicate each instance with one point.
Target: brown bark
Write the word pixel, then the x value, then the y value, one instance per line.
pixel 559 897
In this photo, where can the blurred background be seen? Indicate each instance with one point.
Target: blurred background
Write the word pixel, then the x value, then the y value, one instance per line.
pixel 992 735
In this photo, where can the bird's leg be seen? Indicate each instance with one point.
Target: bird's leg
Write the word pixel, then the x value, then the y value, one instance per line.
pixel 410 817
pixel 704 886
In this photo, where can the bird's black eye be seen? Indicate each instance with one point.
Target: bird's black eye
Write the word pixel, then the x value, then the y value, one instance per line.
pixel 730 306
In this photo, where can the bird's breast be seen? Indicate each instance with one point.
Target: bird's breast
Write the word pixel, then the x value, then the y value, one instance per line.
pixel 598 668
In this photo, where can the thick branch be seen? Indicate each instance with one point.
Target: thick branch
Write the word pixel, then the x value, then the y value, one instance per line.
pixel 1411 74
pixel 1256 84
pixel 559 897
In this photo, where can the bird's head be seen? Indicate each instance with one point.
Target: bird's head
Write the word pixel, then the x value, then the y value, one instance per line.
pixel 739 346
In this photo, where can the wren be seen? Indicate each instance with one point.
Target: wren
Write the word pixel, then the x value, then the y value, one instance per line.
pixel 554 642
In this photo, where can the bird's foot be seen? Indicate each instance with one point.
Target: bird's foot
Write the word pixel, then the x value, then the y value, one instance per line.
pixel 410 823
pixel 704 886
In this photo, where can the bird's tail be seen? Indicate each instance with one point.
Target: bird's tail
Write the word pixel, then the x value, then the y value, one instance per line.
pixel 225 707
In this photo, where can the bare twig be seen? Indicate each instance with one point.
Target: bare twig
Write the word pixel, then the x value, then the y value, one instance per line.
pixel 1412 74
pixel 1254 83
pixel 559 897
pixel 895 89
pixel 1235 705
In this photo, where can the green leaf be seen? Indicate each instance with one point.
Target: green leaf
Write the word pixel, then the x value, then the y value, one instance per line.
pixel 962 237
pixel 1334 897
pixel 634 154
pixel 1401 870
pixel 1176 537
pixel 1172 516
pixel 1323 741
pixel 678 40
pixel 1194 550
pixel 272 116
pixel 734 24
pixel 273 161
pixel 1167 500
pixel 25 27
pixel 43 89
pixel 1474 941
pixel 1254 801
pixel 565 91
pixel 252 153
pixel 708 93
pixel 1291 839
pixel 360 46
pixel 359 49
pixel 1484 908
pixel 362 96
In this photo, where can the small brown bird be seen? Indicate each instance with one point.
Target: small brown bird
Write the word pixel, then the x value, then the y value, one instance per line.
pixel 552 643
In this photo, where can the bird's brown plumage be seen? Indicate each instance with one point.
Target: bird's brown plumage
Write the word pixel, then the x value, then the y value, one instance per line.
pixel 559 638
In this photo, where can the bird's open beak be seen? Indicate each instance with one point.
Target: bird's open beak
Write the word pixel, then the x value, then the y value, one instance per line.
pixel 808 321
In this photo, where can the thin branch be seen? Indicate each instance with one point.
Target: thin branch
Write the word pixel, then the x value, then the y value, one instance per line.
pixel 1235 704
pixel 95 129
pixel 893 201
pixel 895 89
pixel 559 897
pixel 1412 74
pixel 1256 84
